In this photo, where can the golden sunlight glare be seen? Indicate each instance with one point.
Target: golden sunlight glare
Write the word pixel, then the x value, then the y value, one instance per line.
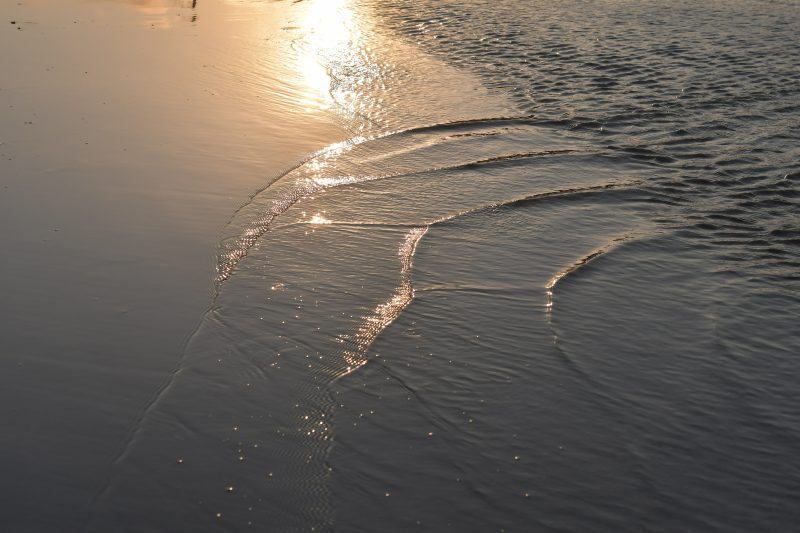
pixel 330 32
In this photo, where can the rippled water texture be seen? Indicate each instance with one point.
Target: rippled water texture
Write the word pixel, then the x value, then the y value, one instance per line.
pixel 550 282
pixel 616 361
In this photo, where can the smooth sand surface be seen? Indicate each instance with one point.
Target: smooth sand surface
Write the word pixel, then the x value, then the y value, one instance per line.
pixel 130 132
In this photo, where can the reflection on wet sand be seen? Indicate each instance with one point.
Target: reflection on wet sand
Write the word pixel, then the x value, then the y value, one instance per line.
pixel 163 13
pixel 123 151
pixel 148 5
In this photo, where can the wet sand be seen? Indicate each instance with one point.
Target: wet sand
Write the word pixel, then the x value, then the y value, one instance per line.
pixel 130 132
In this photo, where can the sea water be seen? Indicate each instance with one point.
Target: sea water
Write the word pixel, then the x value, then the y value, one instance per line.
pixel 549 282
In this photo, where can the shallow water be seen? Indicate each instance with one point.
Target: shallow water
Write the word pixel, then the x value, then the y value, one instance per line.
pixel 548 280
pixel 606 362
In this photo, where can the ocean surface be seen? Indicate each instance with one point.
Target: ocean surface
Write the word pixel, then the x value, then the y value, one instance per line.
pixel 537 270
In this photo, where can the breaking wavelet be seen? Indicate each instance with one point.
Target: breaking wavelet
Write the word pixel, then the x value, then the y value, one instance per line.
pixel 550 286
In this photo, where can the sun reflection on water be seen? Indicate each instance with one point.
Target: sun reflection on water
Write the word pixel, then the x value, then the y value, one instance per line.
pixel 319 218
pixel 330 32
pixel 334 60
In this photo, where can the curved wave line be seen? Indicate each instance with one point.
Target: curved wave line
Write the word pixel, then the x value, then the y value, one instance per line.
pixel 361 139
pixel 577 265
pixel 231 256
pixel 537 197
pixel 135 430
pixel 328 150
pixel 386 313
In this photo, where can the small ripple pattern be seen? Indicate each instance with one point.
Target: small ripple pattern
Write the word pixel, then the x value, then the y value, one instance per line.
pixel 708 93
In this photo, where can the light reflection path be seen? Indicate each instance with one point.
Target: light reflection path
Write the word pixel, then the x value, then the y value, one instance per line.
pixel 331 37
pixel 338 64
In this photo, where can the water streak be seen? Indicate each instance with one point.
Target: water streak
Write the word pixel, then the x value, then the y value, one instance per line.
pixel 575 266
pixel 387 312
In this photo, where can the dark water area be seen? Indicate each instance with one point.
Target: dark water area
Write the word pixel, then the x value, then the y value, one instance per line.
pixel 545 276
pixel 620 361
